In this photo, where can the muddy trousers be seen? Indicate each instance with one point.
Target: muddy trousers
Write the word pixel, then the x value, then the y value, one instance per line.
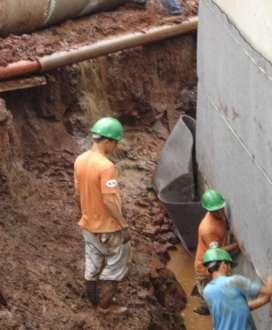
pixel 106 263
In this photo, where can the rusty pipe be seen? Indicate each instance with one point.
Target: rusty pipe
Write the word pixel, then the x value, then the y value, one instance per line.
pixel 115 44
pixel 19 69
pixel 96 49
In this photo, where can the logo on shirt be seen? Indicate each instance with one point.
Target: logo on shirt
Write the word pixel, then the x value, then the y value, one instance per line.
pixel 112 183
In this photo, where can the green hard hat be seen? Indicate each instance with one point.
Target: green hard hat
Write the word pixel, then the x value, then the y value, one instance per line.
pixel 108 127
pixel 216 254
pixel 212 200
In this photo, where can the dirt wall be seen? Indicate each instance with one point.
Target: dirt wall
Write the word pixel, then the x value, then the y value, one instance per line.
pixel 41 133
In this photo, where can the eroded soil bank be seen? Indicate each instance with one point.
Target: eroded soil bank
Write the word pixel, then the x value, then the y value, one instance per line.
pixel 41 133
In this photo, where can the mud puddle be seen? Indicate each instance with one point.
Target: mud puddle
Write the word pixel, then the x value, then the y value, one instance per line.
pixel 181 264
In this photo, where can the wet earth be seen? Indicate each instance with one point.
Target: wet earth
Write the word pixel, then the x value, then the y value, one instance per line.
pixel 42 258
pixel 79 32
pixel 182 265
pixel 42 131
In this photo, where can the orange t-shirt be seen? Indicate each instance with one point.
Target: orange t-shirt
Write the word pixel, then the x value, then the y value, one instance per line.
pixel 94 176
pixel 210 230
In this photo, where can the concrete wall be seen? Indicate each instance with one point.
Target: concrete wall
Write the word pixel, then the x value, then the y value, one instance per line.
pixel 234 134
pixel 253 18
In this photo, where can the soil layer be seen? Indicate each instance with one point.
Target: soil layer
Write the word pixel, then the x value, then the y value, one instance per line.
pixel 41 133
pixel 82 31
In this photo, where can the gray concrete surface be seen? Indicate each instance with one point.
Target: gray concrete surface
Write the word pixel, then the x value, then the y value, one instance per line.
pixel 234 140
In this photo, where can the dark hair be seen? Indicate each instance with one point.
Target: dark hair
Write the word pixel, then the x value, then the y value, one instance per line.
pixel 98 138
pixel 215 265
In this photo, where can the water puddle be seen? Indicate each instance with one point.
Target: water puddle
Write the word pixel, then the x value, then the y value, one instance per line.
pixel 181 264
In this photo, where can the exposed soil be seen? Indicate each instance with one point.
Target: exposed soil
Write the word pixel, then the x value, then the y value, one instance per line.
pixel 42 250
pixel 41 133
pixel 73 33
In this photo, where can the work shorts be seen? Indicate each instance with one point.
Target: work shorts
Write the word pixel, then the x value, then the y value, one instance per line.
pixel 106 257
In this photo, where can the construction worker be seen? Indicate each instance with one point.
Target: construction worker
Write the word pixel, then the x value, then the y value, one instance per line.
pixel 173 7
pixel 230 298
pixel 213 228
pixel 104 228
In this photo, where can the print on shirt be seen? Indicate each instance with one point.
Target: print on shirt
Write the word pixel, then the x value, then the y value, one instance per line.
pixel 112 183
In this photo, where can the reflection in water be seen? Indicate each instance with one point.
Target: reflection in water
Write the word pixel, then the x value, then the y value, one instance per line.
pixel 181 264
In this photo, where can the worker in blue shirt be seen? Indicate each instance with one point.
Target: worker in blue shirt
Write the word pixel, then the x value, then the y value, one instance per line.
pixel 231 298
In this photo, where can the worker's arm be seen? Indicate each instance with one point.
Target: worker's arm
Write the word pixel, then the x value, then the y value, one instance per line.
pixel 257 296
pixel 77 198
pixel 264 295
pixel 213 238
pixel 76 187
pixel 112 203
pixel 231 247
pixel 258 302
pixel 111 195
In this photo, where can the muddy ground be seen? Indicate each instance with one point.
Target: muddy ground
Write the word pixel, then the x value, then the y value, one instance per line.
pixel 41 133
pixel 78 32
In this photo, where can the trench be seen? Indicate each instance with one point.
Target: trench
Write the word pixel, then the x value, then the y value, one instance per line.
pixel 41 133
pixel 181 264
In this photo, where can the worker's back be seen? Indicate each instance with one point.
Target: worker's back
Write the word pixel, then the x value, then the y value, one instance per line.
pixel 95 175
pixel 227 300
pixel 210 230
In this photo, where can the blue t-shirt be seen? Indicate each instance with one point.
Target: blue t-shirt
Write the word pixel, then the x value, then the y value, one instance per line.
pixel 227 299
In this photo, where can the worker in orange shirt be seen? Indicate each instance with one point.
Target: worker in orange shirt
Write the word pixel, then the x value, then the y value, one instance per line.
pixel 104 228
pixel 213 229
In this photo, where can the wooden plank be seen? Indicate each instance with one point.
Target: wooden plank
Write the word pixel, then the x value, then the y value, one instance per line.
pixel 25 83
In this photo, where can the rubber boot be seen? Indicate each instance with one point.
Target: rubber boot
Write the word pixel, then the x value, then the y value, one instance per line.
pixel 3 300
pixel 91 290
pixel 107 290
pixel 202 309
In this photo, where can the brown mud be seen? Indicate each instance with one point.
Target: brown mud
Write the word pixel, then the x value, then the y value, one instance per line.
pixel 82 31
pixel 41 133
pixel 182 265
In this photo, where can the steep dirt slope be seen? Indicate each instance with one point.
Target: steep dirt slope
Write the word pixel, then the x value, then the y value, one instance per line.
pixel 41 133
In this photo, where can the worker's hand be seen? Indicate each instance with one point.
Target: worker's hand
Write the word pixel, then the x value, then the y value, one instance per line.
pixel 268 285
pixel 236 247
pixel 126 236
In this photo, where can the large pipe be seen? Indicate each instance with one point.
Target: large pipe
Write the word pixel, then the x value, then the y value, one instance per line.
pixel 96 49
pixel 60 10
pixel 115 44
pixel 21 16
